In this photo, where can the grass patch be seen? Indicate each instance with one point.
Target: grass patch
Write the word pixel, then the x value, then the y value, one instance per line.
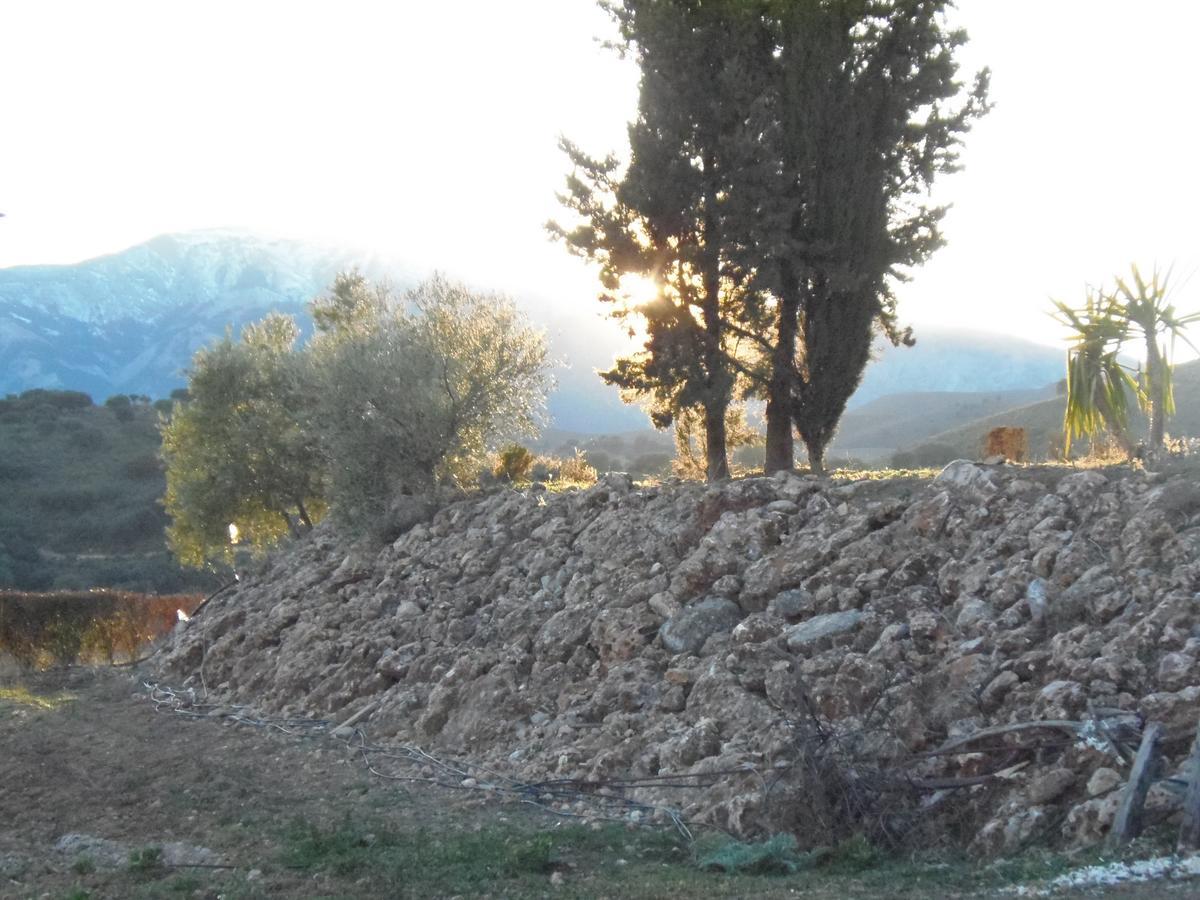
pixel 22 696
pixel 444 859
pixel 146 860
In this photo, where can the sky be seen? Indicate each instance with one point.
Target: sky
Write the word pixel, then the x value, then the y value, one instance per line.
pixel 428 132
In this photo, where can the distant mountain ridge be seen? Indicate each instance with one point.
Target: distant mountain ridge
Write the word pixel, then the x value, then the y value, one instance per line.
pixel 960 361
pixel 129 322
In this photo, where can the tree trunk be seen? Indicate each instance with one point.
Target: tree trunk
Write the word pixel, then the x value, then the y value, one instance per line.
pixel 780 443
pixel 304 517
pixel 1156 370
pixel 716 462
pixel 816 455
pixel 293 529
pixel 719 381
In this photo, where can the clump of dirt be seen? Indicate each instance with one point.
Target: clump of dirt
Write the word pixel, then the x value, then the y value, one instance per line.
pixel 966 660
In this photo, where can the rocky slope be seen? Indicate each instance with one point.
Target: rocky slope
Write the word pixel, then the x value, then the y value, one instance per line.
pixel 824 658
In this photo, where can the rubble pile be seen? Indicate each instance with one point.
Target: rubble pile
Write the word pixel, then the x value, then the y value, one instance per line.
pixel 969 658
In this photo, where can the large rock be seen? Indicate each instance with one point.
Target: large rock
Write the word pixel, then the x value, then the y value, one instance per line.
pixel 809 635
pixel 688 629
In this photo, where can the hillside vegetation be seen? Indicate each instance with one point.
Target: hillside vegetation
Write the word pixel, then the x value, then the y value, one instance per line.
pixel 81 486
pixel 1043 421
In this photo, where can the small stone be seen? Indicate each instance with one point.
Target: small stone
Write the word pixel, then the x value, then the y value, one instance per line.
pixel 793 604
pixel 1175 671
pixel 407 610
pixel 1102 781
pixel 687 630
pixel 1049 786
pixel 556 878
pixel 254 875
pixel 469 782
pixel 997 689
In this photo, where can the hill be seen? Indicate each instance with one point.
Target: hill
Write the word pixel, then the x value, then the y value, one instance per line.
pixel 873 431
pixel 80 487
pixel 1043 423
pixel 959 361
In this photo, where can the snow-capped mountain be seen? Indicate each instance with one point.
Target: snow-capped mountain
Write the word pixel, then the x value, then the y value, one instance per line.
pixel 131 321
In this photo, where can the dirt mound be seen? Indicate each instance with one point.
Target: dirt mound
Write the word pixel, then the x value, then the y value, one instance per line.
pixel 824 658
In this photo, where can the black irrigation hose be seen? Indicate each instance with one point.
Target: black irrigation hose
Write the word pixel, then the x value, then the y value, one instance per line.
pixel 184 703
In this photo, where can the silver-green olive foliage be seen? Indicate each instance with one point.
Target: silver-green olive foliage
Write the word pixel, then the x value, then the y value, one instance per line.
pixel 392 396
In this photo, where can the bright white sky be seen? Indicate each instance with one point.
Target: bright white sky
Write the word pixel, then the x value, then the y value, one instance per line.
pixel 428 131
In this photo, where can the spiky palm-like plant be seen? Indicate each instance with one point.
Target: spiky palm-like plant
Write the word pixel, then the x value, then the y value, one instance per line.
pixel 1098 385
pixel 1144 306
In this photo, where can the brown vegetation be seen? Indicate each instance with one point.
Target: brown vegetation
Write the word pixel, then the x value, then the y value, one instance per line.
pixel 1007 441
pixel 66 627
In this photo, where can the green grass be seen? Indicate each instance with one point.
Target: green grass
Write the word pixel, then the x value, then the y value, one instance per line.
pixel 518 861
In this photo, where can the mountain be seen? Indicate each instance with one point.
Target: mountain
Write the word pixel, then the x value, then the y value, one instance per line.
pixel 131 321
pixel 958 360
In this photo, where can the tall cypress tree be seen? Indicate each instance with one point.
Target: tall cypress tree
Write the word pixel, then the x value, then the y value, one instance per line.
pixel 664 216
pixel 862 128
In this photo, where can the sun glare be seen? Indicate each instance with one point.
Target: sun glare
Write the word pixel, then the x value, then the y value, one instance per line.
pixel 638 289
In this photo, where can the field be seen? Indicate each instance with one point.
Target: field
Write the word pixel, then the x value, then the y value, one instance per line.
pixel 146 804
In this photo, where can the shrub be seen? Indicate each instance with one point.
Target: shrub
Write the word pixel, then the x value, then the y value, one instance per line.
pixel 69 500
pixel 143 467
pixel 576 470
pixel 121 406
pixel 40 630
pixel 513 464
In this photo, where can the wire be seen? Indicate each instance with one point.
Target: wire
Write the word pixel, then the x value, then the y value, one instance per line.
pixel 461 774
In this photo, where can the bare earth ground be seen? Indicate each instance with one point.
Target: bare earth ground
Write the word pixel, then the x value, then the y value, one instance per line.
pixel 285 816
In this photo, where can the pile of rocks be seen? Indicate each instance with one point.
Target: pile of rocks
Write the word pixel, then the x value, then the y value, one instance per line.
pixel 828 653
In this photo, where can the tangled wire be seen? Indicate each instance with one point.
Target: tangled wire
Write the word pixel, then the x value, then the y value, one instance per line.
pixel 608 799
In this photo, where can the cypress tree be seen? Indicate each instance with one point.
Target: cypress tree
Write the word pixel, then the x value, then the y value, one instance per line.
pixel 868 114
pixel 664 216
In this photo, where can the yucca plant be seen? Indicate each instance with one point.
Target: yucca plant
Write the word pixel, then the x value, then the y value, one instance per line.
pixel 1144 306
pixel 1099 385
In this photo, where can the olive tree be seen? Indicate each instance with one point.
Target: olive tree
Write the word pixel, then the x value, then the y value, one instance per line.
pixel 417 398
pixel 235 451
pixel 391 397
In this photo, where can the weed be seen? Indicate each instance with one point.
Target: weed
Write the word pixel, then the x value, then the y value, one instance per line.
pixel 83 866
pixel 145 860
pixel 22 696
pixel 185 884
